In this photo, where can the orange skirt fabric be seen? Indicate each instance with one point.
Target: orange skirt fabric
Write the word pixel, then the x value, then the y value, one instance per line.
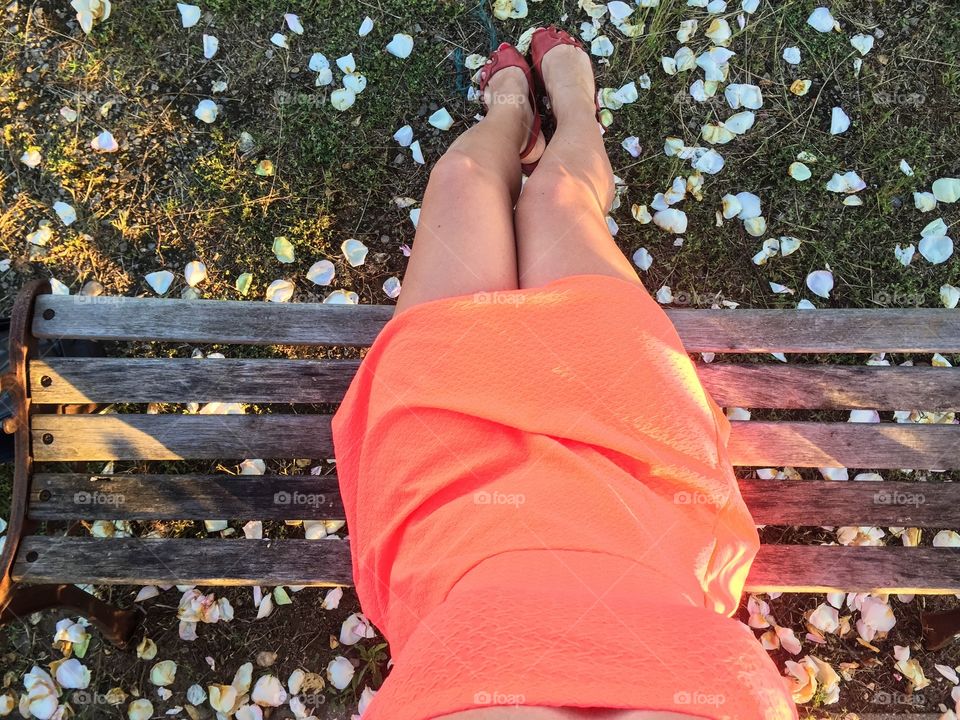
pixel 542 512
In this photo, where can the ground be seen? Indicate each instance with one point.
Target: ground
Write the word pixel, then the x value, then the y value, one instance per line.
pixel 180 190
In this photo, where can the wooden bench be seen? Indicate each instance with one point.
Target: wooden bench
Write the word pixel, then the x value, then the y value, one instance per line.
pixel 53 485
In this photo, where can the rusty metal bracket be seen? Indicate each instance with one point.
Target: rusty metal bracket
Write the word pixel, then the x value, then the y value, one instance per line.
pixel 18 599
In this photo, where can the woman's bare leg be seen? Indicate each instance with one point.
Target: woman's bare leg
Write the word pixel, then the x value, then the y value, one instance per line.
pixel 561 217
pixel 465 241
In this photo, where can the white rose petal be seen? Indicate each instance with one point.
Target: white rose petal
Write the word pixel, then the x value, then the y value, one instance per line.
pixel 196 695
pixel 73 674
pixel 441 119
pixel 821 20
pixel 947 190
pixel 355 82
pixel 672 220
pixel 104 143
pixel 163 673
pixel 820 282
pixel 365 27
pixel 417 153
pixel 740 122
pixel 792 55
pixel 280 40
pixel 719 32
pixel 632 145
pixel 839 121
pixel 354 251
pixel 293 22
pixel 189 14
pixel 280 291
pixel 195 272
pixel 206 111
pixel 400 46
pixel 321 272
pixel 740 95
pixel 924 201
pixel 269 692
pixel 318 62
pixel 210 46
pixel 949 296
pixel 342 98
pixel 936 249
pixel 404 136
pixel 799 172
pixel 601 46
pixel 160 281
pixel 755 226
pixel 283 250
pixel 849 182
pixel 619 10
pixel 340 672
pixel 863 43
pixel 946 538
pixel 391 286
pixel 904 255
pixel 141 709
pixel 642 259
pixel 749 205
pixel 65 212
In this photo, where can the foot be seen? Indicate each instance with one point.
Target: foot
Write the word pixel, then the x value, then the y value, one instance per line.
pixel 508 91
pixel 568 78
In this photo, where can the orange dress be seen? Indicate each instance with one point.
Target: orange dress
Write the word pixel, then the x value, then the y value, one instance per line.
pixel 542 512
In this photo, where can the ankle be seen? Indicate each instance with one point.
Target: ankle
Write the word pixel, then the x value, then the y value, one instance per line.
pixel 570 110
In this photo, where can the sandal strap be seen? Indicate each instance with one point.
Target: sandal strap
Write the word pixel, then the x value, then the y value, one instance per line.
pixel 500 59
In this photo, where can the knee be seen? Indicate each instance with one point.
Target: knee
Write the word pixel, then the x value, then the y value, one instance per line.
pixel 456 168
pixel 559 187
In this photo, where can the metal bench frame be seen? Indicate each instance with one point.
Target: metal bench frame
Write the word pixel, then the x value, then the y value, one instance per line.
pixel 40 571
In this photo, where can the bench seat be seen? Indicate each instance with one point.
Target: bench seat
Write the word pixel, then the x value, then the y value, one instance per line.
pixel 802 406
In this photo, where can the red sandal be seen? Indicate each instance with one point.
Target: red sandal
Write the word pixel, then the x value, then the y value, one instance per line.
pixel 545 39
pixel 508 56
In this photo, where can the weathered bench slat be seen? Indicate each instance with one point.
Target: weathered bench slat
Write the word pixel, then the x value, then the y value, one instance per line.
pixel 66 496
pixel 182 380
pixel 182 561
pixel 853 445
pixel 221 321
pixel 753 443
pixel 811 387
pixel 263 323
pixel 823 502
pixel 781 568
pixel 819 569
pixel 179 437
pixel 63 496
